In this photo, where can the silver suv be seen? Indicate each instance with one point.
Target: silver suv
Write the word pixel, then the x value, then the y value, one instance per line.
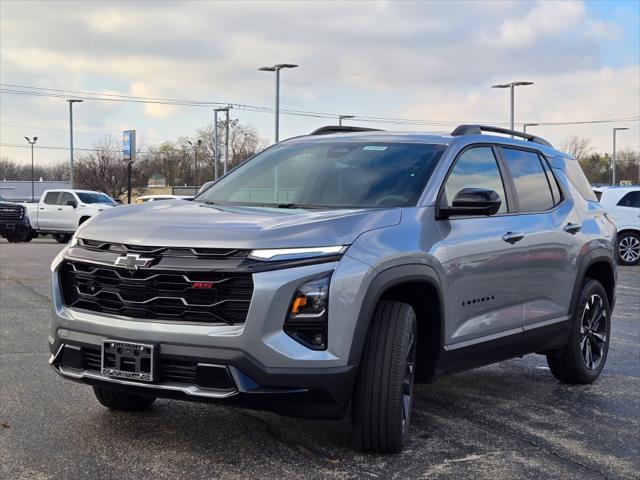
pixel 332 271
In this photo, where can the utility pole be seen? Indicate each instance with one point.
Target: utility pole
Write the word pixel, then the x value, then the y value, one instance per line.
pixel 32 143
pixel 276 68
pixel 215 143
pixel 195 146
pixel 512 86
pixel 226 141
pixel 613 158
pixel 343 117
pixel 71 102
pixel 216 139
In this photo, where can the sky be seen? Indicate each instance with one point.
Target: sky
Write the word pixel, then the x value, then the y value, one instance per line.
pixel 430 61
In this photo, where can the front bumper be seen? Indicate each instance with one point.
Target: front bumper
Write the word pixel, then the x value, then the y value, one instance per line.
pixel 270 370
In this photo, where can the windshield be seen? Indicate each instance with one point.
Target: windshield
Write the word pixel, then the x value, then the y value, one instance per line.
pixel 95 198
pixel 330 174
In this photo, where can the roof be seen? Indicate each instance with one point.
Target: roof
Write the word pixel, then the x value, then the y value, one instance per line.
pixel 422 137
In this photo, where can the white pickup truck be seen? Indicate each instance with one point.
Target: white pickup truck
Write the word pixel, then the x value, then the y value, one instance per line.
pixel 60 212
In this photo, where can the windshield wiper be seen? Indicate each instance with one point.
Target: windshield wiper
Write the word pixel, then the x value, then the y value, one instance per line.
pixel 295 205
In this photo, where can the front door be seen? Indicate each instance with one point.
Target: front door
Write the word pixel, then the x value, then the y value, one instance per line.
pixel 486 259
pixel 67 213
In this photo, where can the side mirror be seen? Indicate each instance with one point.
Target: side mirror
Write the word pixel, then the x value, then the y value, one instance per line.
pixel 72 203
pixel 472 202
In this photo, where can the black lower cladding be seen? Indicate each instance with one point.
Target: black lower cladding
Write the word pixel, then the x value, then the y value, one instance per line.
pixel 187 296
pixel 299 392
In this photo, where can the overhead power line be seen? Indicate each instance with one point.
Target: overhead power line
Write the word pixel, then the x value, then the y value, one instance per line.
pixel 15 89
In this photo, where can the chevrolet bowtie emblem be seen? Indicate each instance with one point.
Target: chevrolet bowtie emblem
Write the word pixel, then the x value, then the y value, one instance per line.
pixel 133 261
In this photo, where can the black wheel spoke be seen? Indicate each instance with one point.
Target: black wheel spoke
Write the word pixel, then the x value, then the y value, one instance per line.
pixel 593 328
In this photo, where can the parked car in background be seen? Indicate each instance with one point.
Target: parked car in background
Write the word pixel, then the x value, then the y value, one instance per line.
pixel 622 204
pixel 335 270
pixel 156 198
pixel 61 212
pixel 14 222
pixel 205 186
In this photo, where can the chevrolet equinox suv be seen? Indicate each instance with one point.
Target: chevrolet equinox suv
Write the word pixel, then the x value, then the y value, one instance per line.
pixel 332 271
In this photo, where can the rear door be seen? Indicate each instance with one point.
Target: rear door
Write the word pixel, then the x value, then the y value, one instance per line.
pixel 485 260
pixel 48 211
pixel 553 236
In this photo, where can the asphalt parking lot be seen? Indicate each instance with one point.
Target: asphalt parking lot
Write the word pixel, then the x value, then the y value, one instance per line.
pixel 510 420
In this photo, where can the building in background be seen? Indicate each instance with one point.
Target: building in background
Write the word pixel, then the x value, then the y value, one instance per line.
pixel 20 190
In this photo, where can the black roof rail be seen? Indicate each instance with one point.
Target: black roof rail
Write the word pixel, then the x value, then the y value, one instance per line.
pixel 478 129
pixel 342 129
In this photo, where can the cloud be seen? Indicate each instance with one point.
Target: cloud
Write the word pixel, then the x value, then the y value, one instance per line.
pixel 421 59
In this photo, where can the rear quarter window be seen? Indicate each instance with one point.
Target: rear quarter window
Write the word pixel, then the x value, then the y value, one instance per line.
pixel 579 180
pixel 631 199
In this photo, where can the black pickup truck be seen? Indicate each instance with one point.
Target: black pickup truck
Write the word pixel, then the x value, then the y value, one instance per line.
pixel 14 222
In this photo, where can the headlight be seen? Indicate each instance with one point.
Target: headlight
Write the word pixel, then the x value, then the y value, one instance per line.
pixel 307 319
pixel 74 241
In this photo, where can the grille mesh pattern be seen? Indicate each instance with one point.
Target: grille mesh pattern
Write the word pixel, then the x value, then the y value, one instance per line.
pixel 11 213
pixel 157 294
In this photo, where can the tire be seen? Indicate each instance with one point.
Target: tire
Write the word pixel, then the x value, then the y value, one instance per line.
pixel 62 237
pixel 117 400
pixel 14 238
pixel 629 248
pixel 582 359
pixel 383 396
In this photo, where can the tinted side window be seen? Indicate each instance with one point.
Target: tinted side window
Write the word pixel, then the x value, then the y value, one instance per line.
pixel 532 187
pixel 631 199
pixel 51 198
pixel 67 197
pixel 553 183
pixel 476 168
pixel 579 180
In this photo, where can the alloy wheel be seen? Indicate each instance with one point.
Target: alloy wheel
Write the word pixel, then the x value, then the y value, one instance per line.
pixel 629 249
pixel 593 332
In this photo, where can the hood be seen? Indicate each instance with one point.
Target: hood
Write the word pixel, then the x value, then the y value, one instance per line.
pixel 194 224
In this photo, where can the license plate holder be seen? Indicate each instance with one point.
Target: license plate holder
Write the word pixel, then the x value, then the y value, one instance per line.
pixel 128 360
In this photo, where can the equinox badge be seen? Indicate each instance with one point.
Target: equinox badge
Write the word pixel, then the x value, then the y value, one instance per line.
pixel 132 261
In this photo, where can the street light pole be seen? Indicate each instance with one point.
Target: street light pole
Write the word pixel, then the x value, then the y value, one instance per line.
pixel 32 143
pixel 525 125
pixel 195 146
pixel 343 117
pixel 512 86
pixel 71 102
pixel 613 158
pixel 276 68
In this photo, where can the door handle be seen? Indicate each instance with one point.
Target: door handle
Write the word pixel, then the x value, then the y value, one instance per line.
pixel 60 208
pixel 42 208
pixel 511 237
pixel 572 228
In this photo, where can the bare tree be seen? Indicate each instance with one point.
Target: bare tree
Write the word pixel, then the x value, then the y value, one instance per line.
pixel 579 147
pixel 104 170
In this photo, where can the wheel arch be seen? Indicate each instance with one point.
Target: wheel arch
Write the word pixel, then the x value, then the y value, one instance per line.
pixel 419 286
pixel 83 219
pixel 600 265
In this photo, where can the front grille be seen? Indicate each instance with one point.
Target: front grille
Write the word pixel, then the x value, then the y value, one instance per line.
pixel 183 371
pixel 183 252
pixel 211 297
pixel 11 213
